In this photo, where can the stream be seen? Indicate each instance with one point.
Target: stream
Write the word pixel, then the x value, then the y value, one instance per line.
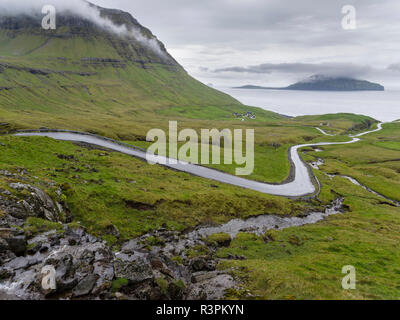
pixel 259 225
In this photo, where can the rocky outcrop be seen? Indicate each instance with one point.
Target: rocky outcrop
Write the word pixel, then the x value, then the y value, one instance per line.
pixel 44 72
pixel 86 267
pixel 158 265
pixel 36 203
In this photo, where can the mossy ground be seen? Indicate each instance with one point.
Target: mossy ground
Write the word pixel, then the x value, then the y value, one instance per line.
pixel 306 262
pixel 126 99
pixel 104 188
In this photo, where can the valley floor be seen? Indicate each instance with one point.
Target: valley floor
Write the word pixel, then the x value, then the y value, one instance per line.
pixel 127 195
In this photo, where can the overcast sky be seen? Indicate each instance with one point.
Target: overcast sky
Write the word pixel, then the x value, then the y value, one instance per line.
pixel 274 42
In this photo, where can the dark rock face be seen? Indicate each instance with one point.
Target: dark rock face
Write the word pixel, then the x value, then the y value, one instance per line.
pixel 85 286
pixel 135 270
pixel 17 244
pixel 87 267
pixel 3 246
pixel 202 264
pixel 79 268
pixel 34 202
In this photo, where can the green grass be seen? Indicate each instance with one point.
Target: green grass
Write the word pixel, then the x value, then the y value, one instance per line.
pixel 118 284
pixel 306 262
pixel 125 100
pixel 374 162
pixel 296 263
pixel 345 121
pixel 35 226
pixel 130 194
pixel 218 113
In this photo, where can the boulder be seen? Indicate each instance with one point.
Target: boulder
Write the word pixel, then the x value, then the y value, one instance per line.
pixel 85 286
pixel 38 204
pixel 135 270
pixel 17 244
pixel 176 290
pixel 198 264
pixel 3 245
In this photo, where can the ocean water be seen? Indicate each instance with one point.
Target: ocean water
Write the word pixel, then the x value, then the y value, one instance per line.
pixel 381 105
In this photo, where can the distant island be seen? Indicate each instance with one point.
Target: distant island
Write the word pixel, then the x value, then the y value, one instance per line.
pixel 325 83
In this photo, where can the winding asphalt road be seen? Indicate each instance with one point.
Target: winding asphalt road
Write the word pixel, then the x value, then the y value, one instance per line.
pixel 301 185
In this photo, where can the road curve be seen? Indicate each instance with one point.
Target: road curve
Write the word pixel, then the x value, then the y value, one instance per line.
pixel 324 132
pixel 301 185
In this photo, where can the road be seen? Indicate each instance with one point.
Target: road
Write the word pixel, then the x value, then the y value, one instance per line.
pixel 301 185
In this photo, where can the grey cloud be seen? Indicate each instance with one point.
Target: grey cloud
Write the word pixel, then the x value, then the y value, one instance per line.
pixel 81 8
pixel 337 69
pixel 217 34
pixel 290 38
pixel 394 67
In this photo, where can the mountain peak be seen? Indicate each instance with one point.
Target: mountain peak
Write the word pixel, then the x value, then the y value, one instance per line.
pixel 98 62
pixel 91 23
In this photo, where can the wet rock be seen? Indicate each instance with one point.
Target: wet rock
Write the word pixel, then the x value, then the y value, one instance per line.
pixel 157 264
pixel 87 267
pixel 15 209
pixel 203 276
pixel 65 269
pixel 17 244
pixel 3 245
pixel 130 246
pixel 213 286
pixel 199 264
pixel 176 290
pixel 6 273
pixel 105 273
pixel 80 269
pixel 18 263
pixel 5 296
pixel 211 265
pixel 121 296
pixel 18 186
pixel 85 286
pixel 37 204
pixel 135 270
pixel 6 192
pixel 112 230
pixel 6 173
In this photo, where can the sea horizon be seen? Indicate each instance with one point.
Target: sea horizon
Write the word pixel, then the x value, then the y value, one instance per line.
pixel 380 105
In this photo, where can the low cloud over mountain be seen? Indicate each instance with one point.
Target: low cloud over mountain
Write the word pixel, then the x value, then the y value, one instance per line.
pixel 81 8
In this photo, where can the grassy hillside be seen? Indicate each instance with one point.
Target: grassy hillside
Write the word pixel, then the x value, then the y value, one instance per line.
pixel 78 77
pixel 128 193
pixel 296 263
pixel 306 262
pixel 81 76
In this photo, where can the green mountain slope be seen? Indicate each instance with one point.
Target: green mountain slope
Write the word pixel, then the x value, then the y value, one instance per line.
pixel 82 72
